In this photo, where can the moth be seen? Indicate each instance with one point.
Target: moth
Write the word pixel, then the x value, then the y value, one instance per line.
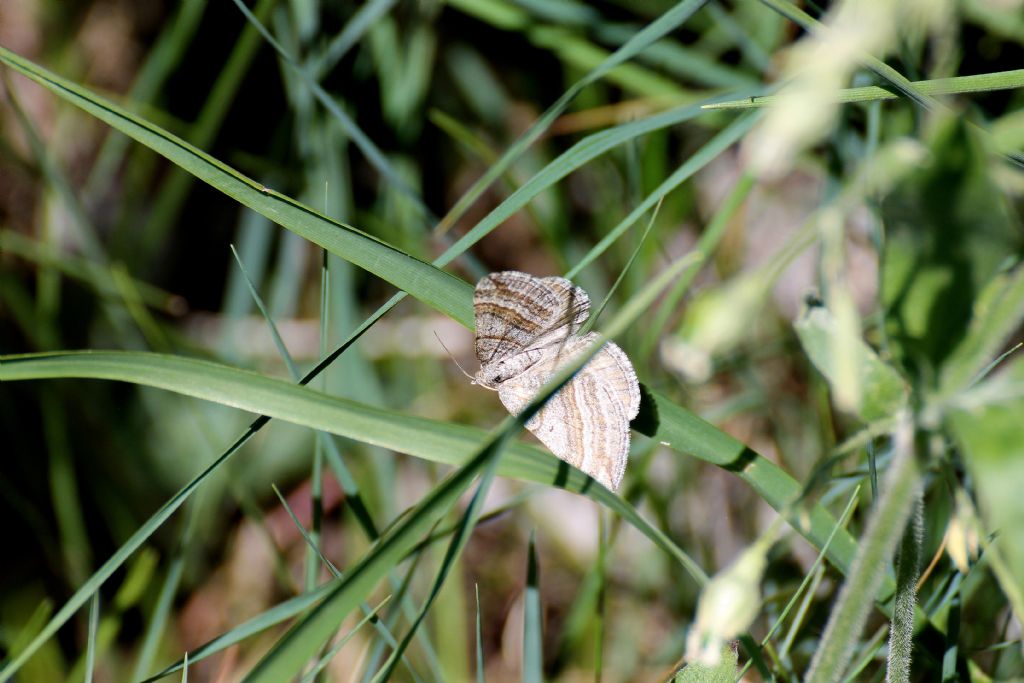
pixel 526 330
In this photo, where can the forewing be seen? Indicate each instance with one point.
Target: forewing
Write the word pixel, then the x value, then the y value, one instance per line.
pixel 516 311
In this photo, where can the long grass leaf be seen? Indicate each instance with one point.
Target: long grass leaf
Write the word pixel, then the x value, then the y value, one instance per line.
pixel 533 650
pixel 956 85
pixel 434 287
pixel 660 27
pixel 883 532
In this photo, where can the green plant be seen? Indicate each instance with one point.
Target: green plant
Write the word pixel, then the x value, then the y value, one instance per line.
pixel 402 151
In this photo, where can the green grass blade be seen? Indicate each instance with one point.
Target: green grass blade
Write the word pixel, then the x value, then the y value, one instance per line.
pixel 351 128
pixel 661 419
pixel 434 287
pixel 707 153
pixel 667 22
pixel 533 650
pixel 956 85
pixel 94 621
pixel 479 638
pixel 575 157
pixel 458 542
pixel 884 530
pixel 329 655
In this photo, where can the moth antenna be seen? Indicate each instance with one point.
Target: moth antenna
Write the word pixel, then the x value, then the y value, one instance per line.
pixel 472 379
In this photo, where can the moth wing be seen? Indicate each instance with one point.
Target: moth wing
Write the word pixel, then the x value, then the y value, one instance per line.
pixel 516 312
pixel 586 423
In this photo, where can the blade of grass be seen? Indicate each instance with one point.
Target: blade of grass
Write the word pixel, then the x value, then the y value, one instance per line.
pixel 165 601
pixel 455 547
pixel 956 85
pixel 336 648
pixel 533 650
pixel 667 22
pixel 884 529
pixel 90 653
pixel 437 289
pixel 479 638
pixel 201 134
pixel 352 129
pixel 585 150
pixel 711 150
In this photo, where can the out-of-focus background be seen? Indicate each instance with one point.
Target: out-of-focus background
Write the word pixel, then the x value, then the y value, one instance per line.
pixel 890 221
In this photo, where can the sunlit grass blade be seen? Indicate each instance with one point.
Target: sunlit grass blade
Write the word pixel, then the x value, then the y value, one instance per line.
pixel 533 649
pixel 202 133
pixel 94 621
pixel 668 21
pixel 707 153
pixel 336 648
pixel 884 529
pixel 164 602
pixel 354 132
pixel 460 537
pixel 809 577
pixel 1001 80
pixel 664 421
pixel 436 288
pixel 579 154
